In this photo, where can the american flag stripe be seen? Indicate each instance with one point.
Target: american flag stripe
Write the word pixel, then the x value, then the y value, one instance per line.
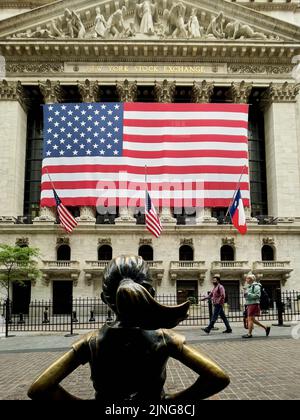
pixel 210 178
pixel 64 221
pixel 203 143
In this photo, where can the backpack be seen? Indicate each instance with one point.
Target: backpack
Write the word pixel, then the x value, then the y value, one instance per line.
pixel 264 302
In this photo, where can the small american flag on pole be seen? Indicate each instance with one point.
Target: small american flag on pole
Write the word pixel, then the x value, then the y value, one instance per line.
pixel 66 219
pixel 152 219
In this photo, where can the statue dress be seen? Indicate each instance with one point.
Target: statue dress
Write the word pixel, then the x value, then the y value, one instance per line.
pixel 145 12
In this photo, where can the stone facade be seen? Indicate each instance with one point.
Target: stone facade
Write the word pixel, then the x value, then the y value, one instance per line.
pixel 93 45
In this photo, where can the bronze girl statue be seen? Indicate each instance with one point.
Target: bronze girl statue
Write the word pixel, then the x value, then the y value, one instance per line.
pixel 128 357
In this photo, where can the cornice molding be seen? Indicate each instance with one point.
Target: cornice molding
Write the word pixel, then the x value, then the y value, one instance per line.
pixel 128 51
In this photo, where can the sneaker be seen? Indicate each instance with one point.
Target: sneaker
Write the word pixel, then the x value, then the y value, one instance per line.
pixel 206 330
pixel 268 329
pixel 247 336
pixel 227 331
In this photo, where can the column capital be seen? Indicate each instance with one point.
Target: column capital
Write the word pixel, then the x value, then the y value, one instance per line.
pixel 51 91
pixel 127 91
pixel 89 91
pixel 87 215
pixel 202 92
pixel 12 91
pixel 164 91
pixel 277 92
pixel 240 92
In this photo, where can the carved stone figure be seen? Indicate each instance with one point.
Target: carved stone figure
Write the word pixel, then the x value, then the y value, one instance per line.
pixel 100 26
pixel 215 27
pixel 75 27
pixel 56 29
pixel 128 356
pixel 40 33
pixel 145 16
pixel 237 30
pixel 175 21
pixel 194 28
pixel 115 23
pixel 69 22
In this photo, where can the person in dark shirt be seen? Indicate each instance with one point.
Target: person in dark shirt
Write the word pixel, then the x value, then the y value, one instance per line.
pixel 128 357
pixel 217 295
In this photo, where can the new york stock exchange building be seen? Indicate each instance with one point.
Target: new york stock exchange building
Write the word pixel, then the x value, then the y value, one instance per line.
pixel 160 51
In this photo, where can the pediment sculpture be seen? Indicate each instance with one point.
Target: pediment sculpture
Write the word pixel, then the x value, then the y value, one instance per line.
pixel 145 19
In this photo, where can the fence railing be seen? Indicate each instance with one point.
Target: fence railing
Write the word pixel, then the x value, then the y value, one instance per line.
pixel 91 313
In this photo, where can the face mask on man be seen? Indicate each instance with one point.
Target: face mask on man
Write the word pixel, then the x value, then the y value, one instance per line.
pixel 215 283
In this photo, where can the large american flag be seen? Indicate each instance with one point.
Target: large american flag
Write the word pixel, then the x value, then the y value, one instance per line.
pixel 96 153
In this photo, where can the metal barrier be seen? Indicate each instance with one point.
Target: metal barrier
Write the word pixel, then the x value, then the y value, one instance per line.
pixel 91 313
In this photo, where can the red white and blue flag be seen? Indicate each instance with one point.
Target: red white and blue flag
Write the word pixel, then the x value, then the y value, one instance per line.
pixel 152 219
pixel 67 221
pixel 191 151
pixel 237 213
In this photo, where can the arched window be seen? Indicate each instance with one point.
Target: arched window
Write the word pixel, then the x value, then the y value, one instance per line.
pixel 227 253
pixel 186 253
pixel 267 253
pixel 105 253
pixel 146 252
pixel 63 253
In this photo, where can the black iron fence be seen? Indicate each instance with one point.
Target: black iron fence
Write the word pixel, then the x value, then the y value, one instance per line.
pixel 91 313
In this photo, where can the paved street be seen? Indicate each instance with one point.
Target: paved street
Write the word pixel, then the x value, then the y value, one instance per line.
pixel 261 368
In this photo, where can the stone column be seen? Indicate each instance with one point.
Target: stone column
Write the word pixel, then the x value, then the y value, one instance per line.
pixel 13 119
pixel 240 93
pixel 202 92
pixel 282 152
pixel 203 216
pixel 52 93
pixel 89 92
pixel 165 92
pixel 127 92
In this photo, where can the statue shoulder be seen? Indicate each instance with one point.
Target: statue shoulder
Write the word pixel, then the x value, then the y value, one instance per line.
pixel 82 346
pixel 174 342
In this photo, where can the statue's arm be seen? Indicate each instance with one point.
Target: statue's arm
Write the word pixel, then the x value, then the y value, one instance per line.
pixel 46 386
pixel 212 379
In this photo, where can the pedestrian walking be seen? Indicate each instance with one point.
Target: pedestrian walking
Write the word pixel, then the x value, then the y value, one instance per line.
pixel 252 294
pixel 217 295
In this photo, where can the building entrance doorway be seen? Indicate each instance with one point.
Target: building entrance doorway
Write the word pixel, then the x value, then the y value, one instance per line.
pixel 270 287
pixel 187 289
pixel 62 297
pixel 21 294
pixel 232 289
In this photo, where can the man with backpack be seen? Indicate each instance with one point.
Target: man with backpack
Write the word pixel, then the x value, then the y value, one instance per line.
pixel 217 295
pixel 253 295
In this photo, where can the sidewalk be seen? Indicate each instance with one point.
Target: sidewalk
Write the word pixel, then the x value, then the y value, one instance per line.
pixel 57 341
pixel 260 368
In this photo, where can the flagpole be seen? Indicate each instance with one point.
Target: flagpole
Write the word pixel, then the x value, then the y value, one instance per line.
pixel 50 179
pixel 237 187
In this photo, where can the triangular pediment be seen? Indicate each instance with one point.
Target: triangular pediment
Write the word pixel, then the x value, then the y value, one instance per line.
pixel 124 20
